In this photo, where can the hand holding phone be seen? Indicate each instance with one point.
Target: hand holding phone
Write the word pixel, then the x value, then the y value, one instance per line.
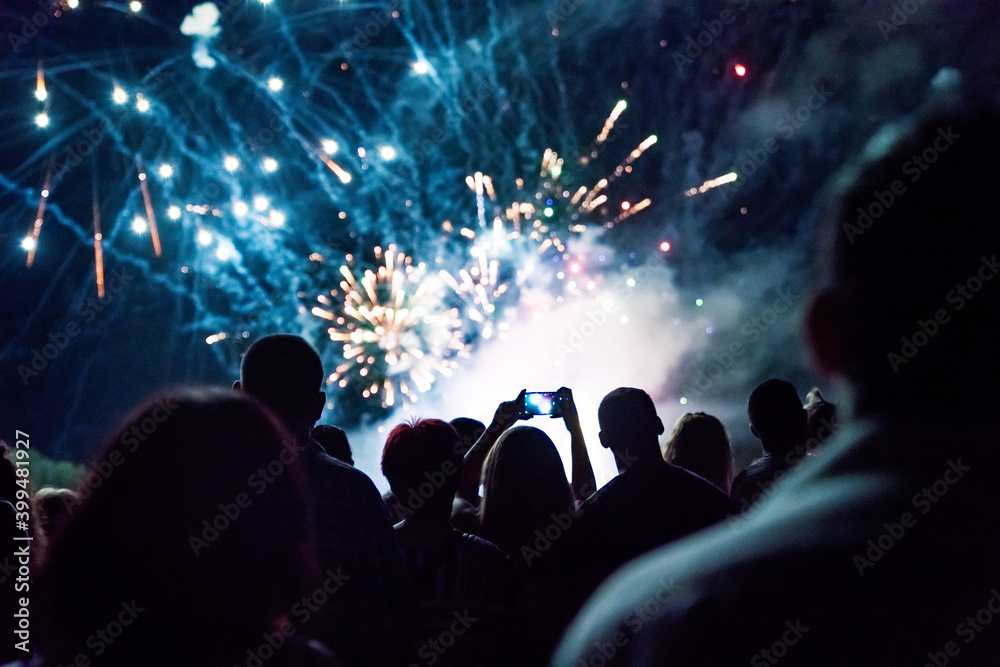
pixel 507 414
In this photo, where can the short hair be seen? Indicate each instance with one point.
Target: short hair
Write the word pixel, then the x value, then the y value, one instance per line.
pixel 776 413
pixel 470 430
pixel 283 371
pixel 626 411
pixel 427 451
pixel 909 231
pixel 699 443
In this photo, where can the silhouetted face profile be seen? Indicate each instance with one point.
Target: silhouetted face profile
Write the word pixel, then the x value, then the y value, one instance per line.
pixel 469 429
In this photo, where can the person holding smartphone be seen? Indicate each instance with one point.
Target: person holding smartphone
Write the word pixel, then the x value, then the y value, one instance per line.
pixel 557 404
pixel 531 512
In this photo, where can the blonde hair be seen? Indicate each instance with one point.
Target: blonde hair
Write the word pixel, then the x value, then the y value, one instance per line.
pixel 699 443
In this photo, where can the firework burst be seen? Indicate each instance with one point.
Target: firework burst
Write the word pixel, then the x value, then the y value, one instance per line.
pixel 508 238
pixel 396 335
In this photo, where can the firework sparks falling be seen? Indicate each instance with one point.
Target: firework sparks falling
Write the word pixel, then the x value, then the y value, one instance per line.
pixel 536 222
pixel 630 210
pixel 98 238
pixel 41 94
pixel 340 172
pixel 609 124
pixel 147 201
pixel 711 183
pixel 480 286
pixel 396 336
pixel 31 241
pixel 593 198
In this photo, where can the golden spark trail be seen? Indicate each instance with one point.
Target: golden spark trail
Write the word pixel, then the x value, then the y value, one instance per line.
pixel 150 215
pixel 36 228
pixel 98 250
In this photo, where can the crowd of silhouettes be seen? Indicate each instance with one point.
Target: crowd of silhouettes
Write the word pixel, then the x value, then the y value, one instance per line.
pixel 238 532
pixel 241 524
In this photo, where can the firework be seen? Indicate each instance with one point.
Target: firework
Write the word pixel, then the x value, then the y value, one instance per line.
pixel 711 183
pixel 98 237
pixel 147 201
pixel 396 336
pixel 237 191
pixel 344 177
pixel 535 222
pixel 480 287
pixel 41 93
pixel 551 210
pixel 593 199
pixel 30 242
pixel 628 210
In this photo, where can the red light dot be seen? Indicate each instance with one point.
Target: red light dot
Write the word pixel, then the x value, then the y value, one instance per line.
pixel 626 206
pixel 740 70
pixel 665 246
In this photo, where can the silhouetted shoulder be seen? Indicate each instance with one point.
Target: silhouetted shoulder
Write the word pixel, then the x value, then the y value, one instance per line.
pixel 912 555
pixel 477 543
pixel 336 469
pixel 693 483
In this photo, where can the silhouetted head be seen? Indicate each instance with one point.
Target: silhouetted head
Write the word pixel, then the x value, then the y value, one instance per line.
pixel 53 507
pixel 629 425
pixel 777 416
pixel 699 443
pixel 285 373
pixel 524 484
pixel 12 491
pixel 334 441
pixel 180 535
pixel 909 292
pixel 469 430
pixel 423 462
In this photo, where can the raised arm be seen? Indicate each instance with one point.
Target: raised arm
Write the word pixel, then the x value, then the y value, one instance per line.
pixel 583 483
pixel 507 414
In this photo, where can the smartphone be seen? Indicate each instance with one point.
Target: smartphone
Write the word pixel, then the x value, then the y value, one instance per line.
pixel 541 403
